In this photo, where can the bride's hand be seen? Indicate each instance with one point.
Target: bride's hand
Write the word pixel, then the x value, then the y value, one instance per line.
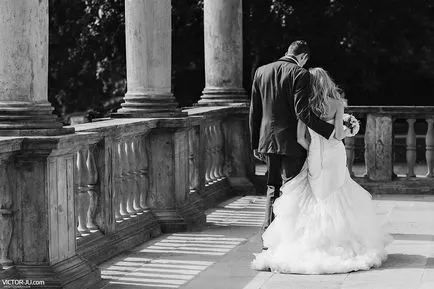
pixel 258 155
pixel 347 132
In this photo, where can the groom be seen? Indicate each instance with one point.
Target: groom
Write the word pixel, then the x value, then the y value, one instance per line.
pixel 280 96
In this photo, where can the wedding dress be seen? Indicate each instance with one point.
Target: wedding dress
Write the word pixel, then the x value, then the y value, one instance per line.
pixel 324 221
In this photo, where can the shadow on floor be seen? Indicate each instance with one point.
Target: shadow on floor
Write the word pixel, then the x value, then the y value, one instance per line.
pixel 400 261
pixel 414 237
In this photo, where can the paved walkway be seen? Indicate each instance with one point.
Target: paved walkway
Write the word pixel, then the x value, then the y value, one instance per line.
pixel 218 257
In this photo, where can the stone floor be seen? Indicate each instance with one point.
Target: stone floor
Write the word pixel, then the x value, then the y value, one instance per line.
pixel 218 257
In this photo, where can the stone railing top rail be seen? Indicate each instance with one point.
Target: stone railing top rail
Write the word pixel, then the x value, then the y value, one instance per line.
pixel 195 116
pixel 45 145
pixel 216 110
pixel 118 126
pixel 10 144
pixel 126 124
pixel 395 111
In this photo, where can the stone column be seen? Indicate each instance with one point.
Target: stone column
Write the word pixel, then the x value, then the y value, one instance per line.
pixel 223 53
pixel 148 48
pixel 24 109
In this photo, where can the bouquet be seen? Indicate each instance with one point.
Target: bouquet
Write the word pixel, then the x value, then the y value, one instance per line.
pixel 352 123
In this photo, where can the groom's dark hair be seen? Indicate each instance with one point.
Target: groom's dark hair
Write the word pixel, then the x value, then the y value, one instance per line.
pixel 298 47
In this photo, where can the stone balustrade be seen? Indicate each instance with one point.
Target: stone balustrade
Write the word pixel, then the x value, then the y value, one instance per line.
pixel 119 182
pixel 379 124
pixel 73 196
pixel 48 197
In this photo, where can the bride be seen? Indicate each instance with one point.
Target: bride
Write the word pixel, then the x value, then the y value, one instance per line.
pixel 324 221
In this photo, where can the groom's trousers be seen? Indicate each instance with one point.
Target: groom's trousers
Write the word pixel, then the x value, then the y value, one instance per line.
pixel 281 168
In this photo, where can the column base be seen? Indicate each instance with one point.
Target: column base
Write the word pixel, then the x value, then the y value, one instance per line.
pixel 193 211
pixel 223 97
pixel 139 105
pixel 242 186
pixel 214 194
pixel 99 248
pixel 72 273
pixel 30 119
pixel 170 220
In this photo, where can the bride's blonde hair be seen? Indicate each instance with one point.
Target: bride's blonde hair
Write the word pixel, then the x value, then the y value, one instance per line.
pixel 323 90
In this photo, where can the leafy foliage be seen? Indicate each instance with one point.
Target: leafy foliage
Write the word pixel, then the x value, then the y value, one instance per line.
pixel 380 52
pixel 87 55
pixel 188 63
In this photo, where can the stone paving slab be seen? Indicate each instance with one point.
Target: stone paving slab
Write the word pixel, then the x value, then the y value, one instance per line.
pixel 219 256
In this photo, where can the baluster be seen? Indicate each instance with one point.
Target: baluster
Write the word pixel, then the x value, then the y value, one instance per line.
pixel 211 154
pixel 365 153
pixel 143 171
pixel 124 190
pixel 207 154
pixel 91 189
pixel 214 153
pixel 192 160
pixel 411 148
pixel 129 176
pixel 220 151
pixel 350 147
pixel 81 196
pixel 217 150
pixel 77 232
pixel 117 192
pixel 6 224
pixel 429 143
pixel 133 158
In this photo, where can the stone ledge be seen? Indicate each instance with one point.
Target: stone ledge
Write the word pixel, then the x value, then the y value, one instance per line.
pixel 74 272
pixel 10 144
pixel 121 126
pixel 213 194
pixel 399 186
pixel 170 220
pixel 405 186
pixel 128 235
pixel 219 111
pixel 47 144
pixel 129 126
pixel 400 111
pixel 193 211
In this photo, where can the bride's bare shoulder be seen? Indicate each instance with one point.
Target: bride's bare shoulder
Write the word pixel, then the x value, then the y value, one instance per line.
pixel 336 104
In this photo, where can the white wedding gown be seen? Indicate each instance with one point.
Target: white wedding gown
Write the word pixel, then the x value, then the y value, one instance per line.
pixel 324 221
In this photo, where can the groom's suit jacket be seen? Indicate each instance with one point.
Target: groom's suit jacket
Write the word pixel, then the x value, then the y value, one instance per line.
pixel 280 96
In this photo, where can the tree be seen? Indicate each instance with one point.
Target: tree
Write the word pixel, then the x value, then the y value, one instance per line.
pixel 87 55
pixel 379 52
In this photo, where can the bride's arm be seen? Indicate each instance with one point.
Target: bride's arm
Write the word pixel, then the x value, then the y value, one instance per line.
pixel 340 132
pixel 301 134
